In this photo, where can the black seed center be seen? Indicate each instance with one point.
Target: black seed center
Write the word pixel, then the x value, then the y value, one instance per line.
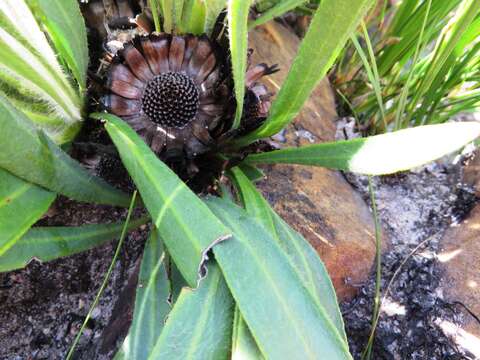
pixel 171 99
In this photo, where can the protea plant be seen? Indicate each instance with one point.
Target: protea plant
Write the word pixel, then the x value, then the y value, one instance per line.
pixel 177 93
pixel 187 98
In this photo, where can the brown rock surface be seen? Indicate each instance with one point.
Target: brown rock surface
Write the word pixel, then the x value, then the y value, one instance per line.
pixel 317 202
pixel 460 258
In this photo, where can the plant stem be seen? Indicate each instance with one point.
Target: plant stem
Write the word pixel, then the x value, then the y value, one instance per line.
pixel 378 276
pixel 105 280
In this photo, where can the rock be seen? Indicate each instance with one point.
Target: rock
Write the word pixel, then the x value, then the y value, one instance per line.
pixel 317 202
pixel 460 260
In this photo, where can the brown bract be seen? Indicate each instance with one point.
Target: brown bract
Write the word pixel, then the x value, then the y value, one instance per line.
pixel 177 93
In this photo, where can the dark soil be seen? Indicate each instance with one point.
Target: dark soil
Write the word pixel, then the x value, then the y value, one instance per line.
pixel 415 209
pixel 44 305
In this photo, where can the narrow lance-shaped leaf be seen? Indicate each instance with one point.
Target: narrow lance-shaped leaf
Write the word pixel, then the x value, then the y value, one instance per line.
pixel 213 10
pixel 333 23
pixel 278 309
pixel 244 346
pixel 66 27
pixel 21 205
pixel 32 156
pixel 200 323
pixel 380 154
pixel 302 256
pixel 50 243
pixel 185 224
pixel 238 34
pixel 151 302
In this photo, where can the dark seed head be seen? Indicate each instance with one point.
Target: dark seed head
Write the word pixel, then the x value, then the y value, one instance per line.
pixel 171 99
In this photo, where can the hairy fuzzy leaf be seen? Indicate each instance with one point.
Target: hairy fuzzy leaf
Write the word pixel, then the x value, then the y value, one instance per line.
pixel 333 23
pixel 185 224
pixel 21 205
pixel 380 154
pixel 200 323
pixel 238 34
pixel 151 302
pixel 50 243
pixel 244 346
pixel 302 256
pixel 65 25
pixel 27 153
pixel 278 309
pixel 213 10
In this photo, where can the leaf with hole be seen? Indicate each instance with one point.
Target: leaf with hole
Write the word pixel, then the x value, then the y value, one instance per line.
pixel 280 312
pixel 185 224
pixel 200 323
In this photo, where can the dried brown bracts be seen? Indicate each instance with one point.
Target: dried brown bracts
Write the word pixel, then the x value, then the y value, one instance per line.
pixel 177 92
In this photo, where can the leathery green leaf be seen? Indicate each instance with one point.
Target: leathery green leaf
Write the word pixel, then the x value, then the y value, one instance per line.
pixel 66 27
pixel 244 346
pixel 333 23
pixel 151 302
pixel 237 13
pixel 280 312
pixel 380 154
pixel 302 256
pixel 185 224
pixel 50 243
pixel 200 323
pixel 27 153
pixel 21 205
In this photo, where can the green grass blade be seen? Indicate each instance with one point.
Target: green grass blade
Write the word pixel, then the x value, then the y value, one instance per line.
pixel 278 309
pixel 151 302
pixel 21 205
pixel 450 37
pixel 185 224
pixel 27 153
pixel 106 278
pixel 380 154
pixel 333 23
pixel 276 11
pixel 302 256
pixel 50 243
pixel 200 323
pixel 238 35
pixel 65 25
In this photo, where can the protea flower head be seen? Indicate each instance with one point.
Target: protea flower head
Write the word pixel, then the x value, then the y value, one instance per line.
pixel 176 92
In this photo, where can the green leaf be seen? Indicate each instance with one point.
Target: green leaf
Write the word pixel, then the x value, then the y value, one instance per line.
pixel 50 243
pixel 277 10
pixel 193 17
pixel 380 154
pixel 213 10
pixel 302 256
pixel 200 323
pixel 151 302
pixel 27 153
pixel 185 224
pixel 238 35
pixel 21 205
pixel 244 346
pixel 253 173
pixel 333 23
pixel 26 55
pixel 279 311
pixel 66 27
